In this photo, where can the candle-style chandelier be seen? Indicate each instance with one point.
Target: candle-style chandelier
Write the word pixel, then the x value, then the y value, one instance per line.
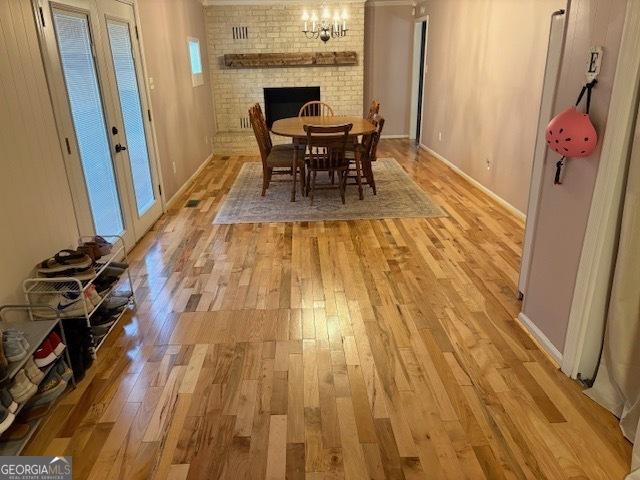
pixel 325 27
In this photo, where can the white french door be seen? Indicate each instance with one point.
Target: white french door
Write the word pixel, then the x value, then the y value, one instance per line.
pixel 94 67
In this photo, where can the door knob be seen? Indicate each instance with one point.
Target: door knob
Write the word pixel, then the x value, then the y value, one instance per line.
pixel 120 148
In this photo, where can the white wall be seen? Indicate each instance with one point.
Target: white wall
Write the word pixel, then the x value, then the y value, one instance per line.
pixel 36 211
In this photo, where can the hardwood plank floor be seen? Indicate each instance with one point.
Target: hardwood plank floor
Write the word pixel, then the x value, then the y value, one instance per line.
pixel 361 349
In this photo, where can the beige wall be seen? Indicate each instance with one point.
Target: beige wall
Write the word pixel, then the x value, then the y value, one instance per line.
pixel 183 114
pixel 36 211
pixel 486 62
pixel 388 37
pixel 564 209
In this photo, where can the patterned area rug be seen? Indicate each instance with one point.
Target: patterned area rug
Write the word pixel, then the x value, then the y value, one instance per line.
pixel 398 197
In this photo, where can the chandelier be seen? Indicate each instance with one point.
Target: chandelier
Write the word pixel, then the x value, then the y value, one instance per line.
pixel 326 27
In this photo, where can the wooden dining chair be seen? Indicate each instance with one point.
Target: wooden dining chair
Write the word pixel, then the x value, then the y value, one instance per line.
pixel 275 160
pixel 316 109
pixel 326 148
pixel 367 150
pixel 374 109
pixel 261 118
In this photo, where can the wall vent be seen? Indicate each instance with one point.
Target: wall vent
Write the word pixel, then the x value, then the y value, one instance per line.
pixel 240 33
pixel 245 123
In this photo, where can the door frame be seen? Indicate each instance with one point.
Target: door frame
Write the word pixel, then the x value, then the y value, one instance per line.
pixel 547 101
pixel 419 64
pixel 64 122
pixel 586 327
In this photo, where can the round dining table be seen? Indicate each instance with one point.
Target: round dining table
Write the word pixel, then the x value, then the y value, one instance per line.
pixel 294 128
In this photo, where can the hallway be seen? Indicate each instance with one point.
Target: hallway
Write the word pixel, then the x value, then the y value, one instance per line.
pixel 361 349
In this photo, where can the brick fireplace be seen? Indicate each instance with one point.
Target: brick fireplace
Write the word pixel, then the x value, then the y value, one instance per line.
pixel 274 28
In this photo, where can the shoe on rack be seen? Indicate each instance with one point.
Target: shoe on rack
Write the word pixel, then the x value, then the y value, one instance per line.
pixel 93 296
pixel 64 371
pixel 22 389
pixel 44 354
pixel 12 332
pixel 6 419
pixel 17 431
pixel 96 248
pixel 13 347
pixel 119 265
pixel 103 319
pixel 65 304
pixel 101 330
pixel 34 374
pixel 6 400
pixel 114 304
pixel 65 263
pixel 56 343
pixel 50 389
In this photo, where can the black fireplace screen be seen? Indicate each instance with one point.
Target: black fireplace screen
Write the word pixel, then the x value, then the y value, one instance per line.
pixel 286 102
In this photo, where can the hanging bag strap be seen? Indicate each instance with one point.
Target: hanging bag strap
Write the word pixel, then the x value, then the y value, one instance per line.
pixel 587 88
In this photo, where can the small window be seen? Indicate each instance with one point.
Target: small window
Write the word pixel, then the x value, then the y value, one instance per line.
pixel 197 77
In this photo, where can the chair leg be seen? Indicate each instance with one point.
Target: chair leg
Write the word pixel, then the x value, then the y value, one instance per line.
pixel 343 186
pixel 266 179
pixel 359 175
pixel 294 168
pixel 313 185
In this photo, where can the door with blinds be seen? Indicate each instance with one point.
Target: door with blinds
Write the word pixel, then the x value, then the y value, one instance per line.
pixel 94 66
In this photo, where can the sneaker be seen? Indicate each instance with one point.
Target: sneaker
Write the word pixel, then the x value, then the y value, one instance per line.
pixel 44 354
pixel 65 304
pixel 115 304
pixel 6 400
pixel 64 371
pixel 6 419
pixel 34 374
pixel 92 295
pixel 22 389
pixel 50 389
pixel 101 330
pixel 13 347
pixel 96 248
pixel 56 343
pixel 12 332
pixel 17 431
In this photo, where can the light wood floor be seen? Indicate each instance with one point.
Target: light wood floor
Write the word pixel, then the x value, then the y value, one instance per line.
pixel 363 349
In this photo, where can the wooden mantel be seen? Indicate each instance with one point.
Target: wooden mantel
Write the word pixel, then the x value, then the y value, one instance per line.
pixel 283 60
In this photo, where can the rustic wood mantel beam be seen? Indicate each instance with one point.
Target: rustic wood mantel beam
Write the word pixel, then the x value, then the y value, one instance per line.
pixel 283 60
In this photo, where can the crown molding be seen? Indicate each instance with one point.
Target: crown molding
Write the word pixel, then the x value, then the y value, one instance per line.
pixel 219 3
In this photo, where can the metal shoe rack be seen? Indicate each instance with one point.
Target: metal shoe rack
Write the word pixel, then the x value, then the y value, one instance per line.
pixel 41 290
pixel 35 332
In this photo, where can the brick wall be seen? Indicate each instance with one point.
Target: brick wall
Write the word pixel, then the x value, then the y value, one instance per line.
pixel 277 29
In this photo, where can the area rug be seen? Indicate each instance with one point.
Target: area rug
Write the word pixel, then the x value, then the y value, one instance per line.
pixel 398 197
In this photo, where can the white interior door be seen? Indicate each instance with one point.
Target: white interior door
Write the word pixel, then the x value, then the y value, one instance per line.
pixel 93 63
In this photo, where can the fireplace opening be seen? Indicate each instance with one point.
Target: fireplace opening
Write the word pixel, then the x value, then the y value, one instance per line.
pixel 286 102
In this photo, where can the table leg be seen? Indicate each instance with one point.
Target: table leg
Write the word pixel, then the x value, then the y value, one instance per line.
pixel 358 173
pixel 294 171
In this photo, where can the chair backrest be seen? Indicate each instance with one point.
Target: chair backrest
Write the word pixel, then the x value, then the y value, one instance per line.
pixel 316 109
pixel 374 110
pixel 260 131
pixel 263 121
pixel 326 145
pixel 370 142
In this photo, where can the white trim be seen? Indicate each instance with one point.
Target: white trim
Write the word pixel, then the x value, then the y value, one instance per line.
pixel 475 183
pixel 219 3
pixel 392 137
pixel 590 297
pixel 540 338
pixel 185 186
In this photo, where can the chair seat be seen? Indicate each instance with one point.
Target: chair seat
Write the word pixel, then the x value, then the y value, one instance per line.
pixel 285 146
pixel 280 157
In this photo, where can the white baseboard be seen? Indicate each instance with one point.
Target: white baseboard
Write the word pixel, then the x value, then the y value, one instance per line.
pixel 541 339
pixel 475 183
pixel 187 184
pixel 392 137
